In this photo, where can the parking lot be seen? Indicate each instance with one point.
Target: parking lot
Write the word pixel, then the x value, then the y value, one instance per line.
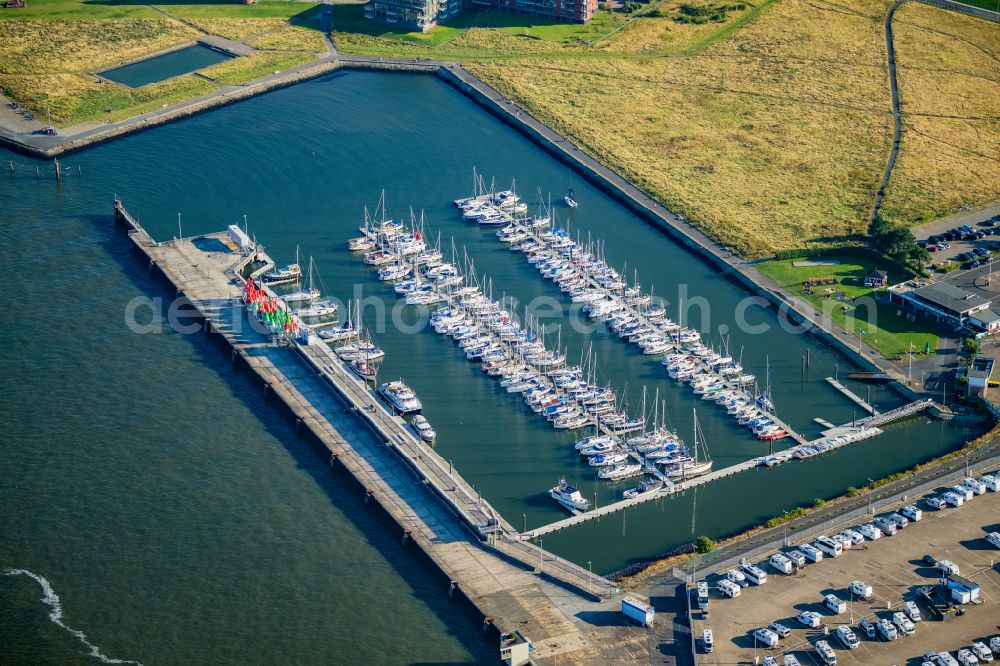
pixel 960 237
pixel 894 567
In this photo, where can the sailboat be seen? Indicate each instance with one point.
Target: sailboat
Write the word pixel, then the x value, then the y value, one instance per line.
pixel 570 201
pixel 311 293
pixel 686 469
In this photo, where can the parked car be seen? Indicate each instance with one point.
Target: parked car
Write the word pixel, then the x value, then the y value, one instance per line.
pixel 770 661
pixel 847 637
pixel 809 619
pixel 930 560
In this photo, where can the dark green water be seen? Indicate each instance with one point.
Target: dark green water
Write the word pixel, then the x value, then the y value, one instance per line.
pixel 165 66
pixel 181 521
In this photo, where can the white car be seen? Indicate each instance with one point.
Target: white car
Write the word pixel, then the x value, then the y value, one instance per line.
pixel 871 532
pixel 847 637
pixel 903 623
pixel 912 512
pixel 770 661
pixel 855 537
pixel 809 619
pixel 935 503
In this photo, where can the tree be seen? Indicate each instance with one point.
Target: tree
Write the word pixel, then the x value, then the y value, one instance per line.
pixel 704 545
pixel 970 346
pixel 818 502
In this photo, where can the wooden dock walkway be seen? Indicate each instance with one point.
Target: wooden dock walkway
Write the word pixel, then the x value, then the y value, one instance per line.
pixel 514 584
pixel 857 399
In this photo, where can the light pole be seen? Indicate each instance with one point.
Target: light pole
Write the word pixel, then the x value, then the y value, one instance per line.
pixel 180 234
pixel 524 523
pixel 870 482
pixel 784 538
pixel 590 577
pixel 909 369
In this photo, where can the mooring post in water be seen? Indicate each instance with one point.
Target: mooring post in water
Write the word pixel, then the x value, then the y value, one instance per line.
pixel 38 173
pixel 406 536
pixel 79 171
pixel 55 162
pixel 11 164
pixel 452 586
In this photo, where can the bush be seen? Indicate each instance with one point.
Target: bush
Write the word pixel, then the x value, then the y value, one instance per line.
pixel 818 502
pixel 852 491
pixel 704 545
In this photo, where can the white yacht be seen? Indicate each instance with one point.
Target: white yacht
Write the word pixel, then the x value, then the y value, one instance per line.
pixel 400 397
pixel 569 497
pixel 423 428
pixel 645 488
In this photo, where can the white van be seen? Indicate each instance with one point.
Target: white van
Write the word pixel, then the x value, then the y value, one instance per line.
pixel 780 563
pixel 828 546
pixel 993 538
pixel 834 604
pixel 975 485
pixel 886 524
pixel 912 512
pixel 991 482
pixel 797 558
pixel 729 588
pixel 826 653
pixel 953 499
pixel 764 636
pixel 995 644
pixel 984 654
pixel 899 519
pixel 706 640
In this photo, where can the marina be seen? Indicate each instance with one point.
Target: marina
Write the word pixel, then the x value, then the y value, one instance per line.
pixel 282 510
pixel 451 523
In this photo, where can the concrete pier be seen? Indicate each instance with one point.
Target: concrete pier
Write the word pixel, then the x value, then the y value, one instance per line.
pixel 854 397
pixel 512 583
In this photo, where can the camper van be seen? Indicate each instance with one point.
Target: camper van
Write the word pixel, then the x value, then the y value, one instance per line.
pixel 702 595
pixel 975 485
pixel 834 604
pixel 811 553
pixel 764 637
pixel 753 573
pixel 953 499
pixel 736 576
pixel 912 512
pixel 860 590
pixel 729 588
pixel 706 641
pixel 991 482
pixel 948 568
pixel 886 524
pixel 993 538
pixel 780 563
pixel 829 546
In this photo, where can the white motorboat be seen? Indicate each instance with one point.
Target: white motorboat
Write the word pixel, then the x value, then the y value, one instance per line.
pixel 423 428
pixel 616 472
pixel 569 497
pixel 645 488
pixel 400 397
pixel 324 309
pixel 290 273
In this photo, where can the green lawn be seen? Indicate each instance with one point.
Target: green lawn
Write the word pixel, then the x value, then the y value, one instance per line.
pixel 889 333
pixel 993 5
pixel 69 10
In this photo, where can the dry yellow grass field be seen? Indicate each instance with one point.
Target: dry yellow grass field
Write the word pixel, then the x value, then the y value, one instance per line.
pixel 253 66
pixel 949 86
pixel 770 141
pixel 290 38
pixel 36 47
pixel 237 28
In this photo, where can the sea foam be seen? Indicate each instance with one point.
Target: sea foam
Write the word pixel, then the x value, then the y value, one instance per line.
pixel 51 599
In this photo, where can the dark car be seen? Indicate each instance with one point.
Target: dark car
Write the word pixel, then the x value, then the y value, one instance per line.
pixel 981 251
pixel 935 239
pixel 867 628
pixel 930 560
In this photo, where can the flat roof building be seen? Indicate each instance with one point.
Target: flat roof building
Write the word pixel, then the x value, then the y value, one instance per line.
pixel 422 15
pixel 963 300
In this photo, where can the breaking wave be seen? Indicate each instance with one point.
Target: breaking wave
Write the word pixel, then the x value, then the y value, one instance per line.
pixel 51 599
